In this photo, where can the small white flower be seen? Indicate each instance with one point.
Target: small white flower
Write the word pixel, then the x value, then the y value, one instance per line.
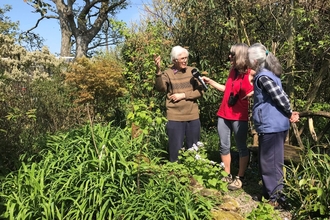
pixel 198 157
pixel 200 144
pixel 193 148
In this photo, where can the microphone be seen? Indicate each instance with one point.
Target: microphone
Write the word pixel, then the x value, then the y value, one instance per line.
pixel 197 75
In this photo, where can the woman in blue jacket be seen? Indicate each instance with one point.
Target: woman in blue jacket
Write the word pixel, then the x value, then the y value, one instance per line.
pixel 271 115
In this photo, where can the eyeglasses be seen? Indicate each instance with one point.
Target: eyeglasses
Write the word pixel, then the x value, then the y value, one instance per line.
pixel 182 59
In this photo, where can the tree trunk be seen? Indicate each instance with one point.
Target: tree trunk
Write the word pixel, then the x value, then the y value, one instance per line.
pixel 291 64
pixel 65 40
pixel 76 23
pixel 81 46
pixel 66 33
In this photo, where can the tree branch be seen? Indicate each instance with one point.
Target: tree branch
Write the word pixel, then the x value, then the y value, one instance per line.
pixel 39 20
pixel 311 113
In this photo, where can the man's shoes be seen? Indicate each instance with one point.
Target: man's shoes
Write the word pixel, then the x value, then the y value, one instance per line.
pixel 235 184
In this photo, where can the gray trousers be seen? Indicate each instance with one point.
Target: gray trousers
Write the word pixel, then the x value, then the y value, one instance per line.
pixel 240 130
pixel 271 161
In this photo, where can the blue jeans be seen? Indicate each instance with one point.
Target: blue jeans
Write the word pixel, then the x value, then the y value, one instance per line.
pixel 240 130
pixel 177 131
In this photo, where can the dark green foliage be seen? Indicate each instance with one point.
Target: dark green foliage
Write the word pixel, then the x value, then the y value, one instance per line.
pixel 32 109
pixel 264 211
pixel 307 186
pixel 138 54
pixel 291 30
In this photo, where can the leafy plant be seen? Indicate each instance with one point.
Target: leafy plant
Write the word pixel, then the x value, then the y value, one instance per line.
pixel 101 176
pixel 263 211
pixel 164 198
pixel 307 188
pixel 33 100
pixel 96 79
pixel 208 173
pixel 72 180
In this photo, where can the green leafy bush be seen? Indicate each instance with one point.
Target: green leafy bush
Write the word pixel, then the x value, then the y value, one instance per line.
pixel 206 172
pixel 307 186
pixel 263 211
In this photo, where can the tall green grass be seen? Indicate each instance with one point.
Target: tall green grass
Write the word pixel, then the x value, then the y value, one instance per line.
pixel 307 186
pixel 164 199
pixel 98 174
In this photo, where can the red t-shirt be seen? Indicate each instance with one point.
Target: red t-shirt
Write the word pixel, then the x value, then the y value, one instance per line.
pixel 241 85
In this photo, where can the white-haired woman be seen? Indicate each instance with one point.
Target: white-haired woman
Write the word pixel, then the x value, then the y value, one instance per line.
pixel 182 91
pixel 272 115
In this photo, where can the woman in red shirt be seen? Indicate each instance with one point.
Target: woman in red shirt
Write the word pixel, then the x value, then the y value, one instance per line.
pixel 233 112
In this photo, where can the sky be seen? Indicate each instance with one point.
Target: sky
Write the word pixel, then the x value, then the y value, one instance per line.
pixel 50 29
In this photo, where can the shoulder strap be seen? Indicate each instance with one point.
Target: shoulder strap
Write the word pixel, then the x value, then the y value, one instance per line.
pixel 237 73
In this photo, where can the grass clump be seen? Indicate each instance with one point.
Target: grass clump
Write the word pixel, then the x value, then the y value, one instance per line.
pixel 307 186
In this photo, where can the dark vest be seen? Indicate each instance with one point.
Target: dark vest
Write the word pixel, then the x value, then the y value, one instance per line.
pixel 267 116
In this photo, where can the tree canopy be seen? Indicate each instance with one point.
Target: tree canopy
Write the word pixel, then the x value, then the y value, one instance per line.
pixel 6 26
